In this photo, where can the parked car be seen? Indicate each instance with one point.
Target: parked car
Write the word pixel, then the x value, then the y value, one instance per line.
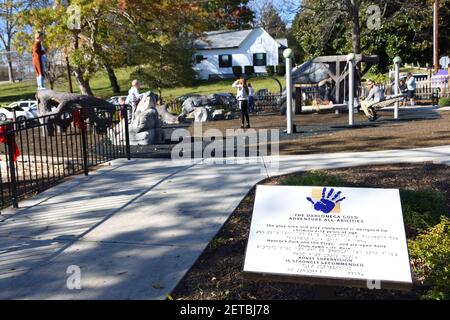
pixel 25 110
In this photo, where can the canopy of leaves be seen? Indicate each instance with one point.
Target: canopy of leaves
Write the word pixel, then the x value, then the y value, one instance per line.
pixel 271 21
pixel 406 29
pixel 228 14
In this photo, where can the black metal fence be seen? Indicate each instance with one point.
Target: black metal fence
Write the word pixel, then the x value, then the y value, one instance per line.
pixel 174 106
pixel 38 153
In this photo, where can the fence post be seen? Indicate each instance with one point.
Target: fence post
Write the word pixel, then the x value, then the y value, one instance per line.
pixel 10 144
pixel 84 142
pixel 351 87
pixel 127 133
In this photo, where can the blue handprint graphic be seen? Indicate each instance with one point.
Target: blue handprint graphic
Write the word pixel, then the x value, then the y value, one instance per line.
pixel 328 201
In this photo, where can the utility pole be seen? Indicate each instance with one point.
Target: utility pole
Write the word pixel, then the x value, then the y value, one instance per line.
pixel 436 36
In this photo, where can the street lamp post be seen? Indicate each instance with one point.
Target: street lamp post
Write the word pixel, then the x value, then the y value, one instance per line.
pixel 288 54
pixel 397 62
pixel 351 87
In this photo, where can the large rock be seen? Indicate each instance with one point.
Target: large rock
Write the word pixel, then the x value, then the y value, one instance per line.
pixel 230 115
pixel 211 101
pixel 218 115
pixel 145 127
pixel 166 116
pixel 201 114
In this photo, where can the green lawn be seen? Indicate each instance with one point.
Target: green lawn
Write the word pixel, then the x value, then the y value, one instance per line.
pixel 101 87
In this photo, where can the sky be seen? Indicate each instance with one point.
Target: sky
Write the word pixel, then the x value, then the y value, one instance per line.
pixel 286 8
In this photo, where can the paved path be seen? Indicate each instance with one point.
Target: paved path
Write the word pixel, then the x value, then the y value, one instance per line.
pixel 136 227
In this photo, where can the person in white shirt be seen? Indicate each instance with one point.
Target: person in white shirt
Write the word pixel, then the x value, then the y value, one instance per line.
pixel 133 98
pixel 411 85
pixel 242 97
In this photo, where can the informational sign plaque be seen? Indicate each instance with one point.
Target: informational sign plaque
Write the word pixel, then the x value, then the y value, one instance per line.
pixel 329 235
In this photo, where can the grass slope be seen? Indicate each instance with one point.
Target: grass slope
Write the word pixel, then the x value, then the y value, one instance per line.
pixel 11 92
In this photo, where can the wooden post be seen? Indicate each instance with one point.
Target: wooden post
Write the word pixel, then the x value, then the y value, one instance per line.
pixel 338 83
pixel 448 79
pixel 298 100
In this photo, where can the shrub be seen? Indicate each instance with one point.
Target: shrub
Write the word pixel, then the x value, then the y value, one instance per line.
pixel 379 78
pixel 421 209
pixel 249 70
pixel 313 178
pixel 444 102
pixel 430 255
pixel 270 70
pixel 237 71
pixel 281 70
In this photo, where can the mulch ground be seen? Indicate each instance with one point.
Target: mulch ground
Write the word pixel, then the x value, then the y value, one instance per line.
pixel 328 133
pixel 217 274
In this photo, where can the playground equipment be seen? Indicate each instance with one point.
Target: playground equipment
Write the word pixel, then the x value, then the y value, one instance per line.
pixel 288 54
pixel 370 108
pixel 351 76
pixel 333 68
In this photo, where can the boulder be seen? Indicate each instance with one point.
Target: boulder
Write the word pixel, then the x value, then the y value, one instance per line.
pixel 145 127
pixel 201 114
pixel 166 116
pixel 230 115
pixel 218 115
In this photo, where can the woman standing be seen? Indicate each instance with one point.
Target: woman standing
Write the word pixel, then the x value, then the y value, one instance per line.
pixel 411 85
pixel 242 97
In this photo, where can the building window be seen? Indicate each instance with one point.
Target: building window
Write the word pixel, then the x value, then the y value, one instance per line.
pixel 225 61
pixel 259 59
pixel 199 58
pixel 280 56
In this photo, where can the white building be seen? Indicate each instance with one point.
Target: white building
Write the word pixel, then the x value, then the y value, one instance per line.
pixel 220 51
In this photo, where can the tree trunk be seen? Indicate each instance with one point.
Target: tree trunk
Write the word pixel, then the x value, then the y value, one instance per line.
pixel 356 37
pixel 10 69
pixel 356 26
pixel 112 79
pixel 84 85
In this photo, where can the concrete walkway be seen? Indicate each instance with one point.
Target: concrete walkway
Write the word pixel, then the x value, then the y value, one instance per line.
pixel 136 227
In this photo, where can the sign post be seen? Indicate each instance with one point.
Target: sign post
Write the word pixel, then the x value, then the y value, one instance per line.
pixel 288 54
pixel 328 236
pixel 397 62
pixel 351 87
